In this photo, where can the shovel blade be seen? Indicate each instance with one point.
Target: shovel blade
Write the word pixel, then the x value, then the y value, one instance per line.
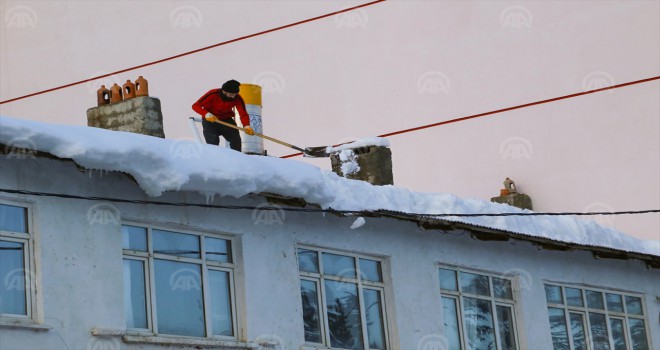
pixel 316 152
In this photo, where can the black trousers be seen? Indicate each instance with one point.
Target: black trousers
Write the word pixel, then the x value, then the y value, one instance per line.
pixel 213 131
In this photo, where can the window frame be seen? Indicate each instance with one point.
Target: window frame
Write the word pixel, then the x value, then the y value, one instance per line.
pixel 319 278
pixel 29 239
pixel 458 295
pixel 585 310
pixel 234 270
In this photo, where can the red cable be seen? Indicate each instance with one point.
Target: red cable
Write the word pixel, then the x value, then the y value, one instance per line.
pixel 194 51
pixel 502 110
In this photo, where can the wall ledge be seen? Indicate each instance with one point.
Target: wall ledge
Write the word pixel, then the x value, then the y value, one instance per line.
pixel 24 324
pixel 199 343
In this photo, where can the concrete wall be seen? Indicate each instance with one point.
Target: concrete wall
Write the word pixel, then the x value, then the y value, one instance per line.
pixel 81 264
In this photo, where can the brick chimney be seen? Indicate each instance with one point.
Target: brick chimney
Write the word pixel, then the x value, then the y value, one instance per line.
pixel 141 114
pixel 368 160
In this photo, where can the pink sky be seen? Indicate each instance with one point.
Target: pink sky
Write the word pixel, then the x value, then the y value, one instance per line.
pixel 382 68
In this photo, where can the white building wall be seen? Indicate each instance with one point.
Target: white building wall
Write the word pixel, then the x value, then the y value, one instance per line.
pixel 81 264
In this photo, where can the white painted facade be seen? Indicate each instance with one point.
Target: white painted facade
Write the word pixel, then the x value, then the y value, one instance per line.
pixel 78 287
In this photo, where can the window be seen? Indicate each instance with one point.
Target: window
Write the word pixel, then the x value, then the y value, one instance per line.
pixel 342 300
pixel 478 310
pixel 178 283
pixel 592 319
pixel 16 266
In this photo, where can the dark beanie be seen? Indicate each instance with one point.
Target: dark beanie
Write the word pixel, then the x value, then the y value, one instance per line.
pixel 231 86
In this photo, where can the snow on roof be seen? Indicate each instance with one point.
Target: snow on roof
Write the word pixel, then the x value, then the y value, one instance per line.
pixel 160 165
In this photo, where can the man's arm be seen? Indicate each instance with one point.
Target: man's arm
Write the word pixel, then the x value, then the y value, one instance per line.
pixel 197 106
pixel 240 107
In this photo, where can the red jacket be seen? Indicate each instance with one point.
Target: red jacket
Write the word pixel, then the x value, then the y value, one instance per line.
pixel 213 103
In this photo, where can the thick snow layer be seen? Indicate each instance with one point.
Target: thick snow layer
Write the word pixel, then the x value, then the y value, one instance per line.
pixel 160 165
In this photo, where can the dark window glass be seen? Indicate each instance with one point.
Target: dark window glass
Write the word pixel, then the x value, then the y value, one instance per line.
pixel 135 295
pixel 634 305
pixel 343 315
pixel 310 308
pixel 373 310
pixel 577 331
pixel 134 238
pixel 574 297
pixel 179 298
pixel 12 279
pixel 474 284
pixel 599 335
pixel 502 288
pixel 308 260
pixel 553 294
pixel 450 315
pixel 616 325
pixel 338 265
pixel 506 327
pixel 638 337
pixel 614 302
pixel 478 322
pixel 13 218
pixel 370 270
pixel 218 249
pixel 448 279
pixel 220 300
pixel 177 244
pixel 595 300
pixel 558 328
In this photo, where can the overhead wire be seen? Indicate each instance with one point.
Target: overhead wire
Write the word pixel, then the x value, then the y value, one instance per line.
pixel 317 210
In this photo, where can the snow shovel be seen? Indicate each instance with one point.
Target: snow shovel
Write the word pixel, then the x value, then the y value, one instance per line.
pixel 312 152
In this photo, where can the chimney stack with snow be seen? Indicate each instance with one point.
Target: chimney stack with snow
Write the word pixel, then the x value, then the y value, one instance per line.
pixel 510 195
pixel 368 160
pixel 141 114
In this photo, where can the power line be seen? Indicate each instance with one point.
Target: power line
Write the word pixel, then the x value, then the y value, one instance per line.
pixel 502 110
pixel 319 210
pixel 194 51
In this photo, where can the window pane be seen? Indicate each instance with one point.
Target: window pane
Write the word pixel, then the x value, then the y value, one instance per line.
pixel 12 279
pixel 310 306
pixel 634 305
pixel 221 317
pixel 373 310
pixel 308 260
pixel 13 218
pixel 506 327
pixel 450 316
pixel 502 288
pixel 218 249
pixel 474 284
pixel 134 238
pixel 179 302
pixel 574 297
pixel 178 244
pixel 577 331
pixel 638 337
pixel 135 296
pixel 601 339
pixel 558 328
pixel 338 265
pixel 553 294
pixel 614 302
pixel 595 300
pixel 370 270
pixel 479 329
pixel 343 315
pixel 616 325
pixel 448 279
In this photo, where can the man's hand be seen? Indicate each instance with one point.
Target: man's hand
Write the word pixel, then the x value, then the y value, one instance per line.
pixel 248 130
pixel 209 117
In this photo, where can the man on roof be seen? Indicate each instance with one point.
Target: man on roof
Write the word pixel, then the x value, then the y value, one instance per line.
pixel 218 104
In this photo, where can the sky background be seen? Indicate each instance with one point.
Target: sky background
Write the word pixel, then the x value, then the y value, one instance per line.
pixel 382 68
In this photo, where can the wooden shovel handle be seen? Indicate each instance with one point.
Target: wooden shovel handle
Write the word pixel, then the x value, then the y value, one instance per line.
pixel 260 135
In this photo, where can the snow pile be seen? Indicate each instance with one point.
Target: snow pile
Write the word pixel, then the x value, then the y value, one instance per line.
pixel 160 165
pixel 366 142
pixel 349 165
